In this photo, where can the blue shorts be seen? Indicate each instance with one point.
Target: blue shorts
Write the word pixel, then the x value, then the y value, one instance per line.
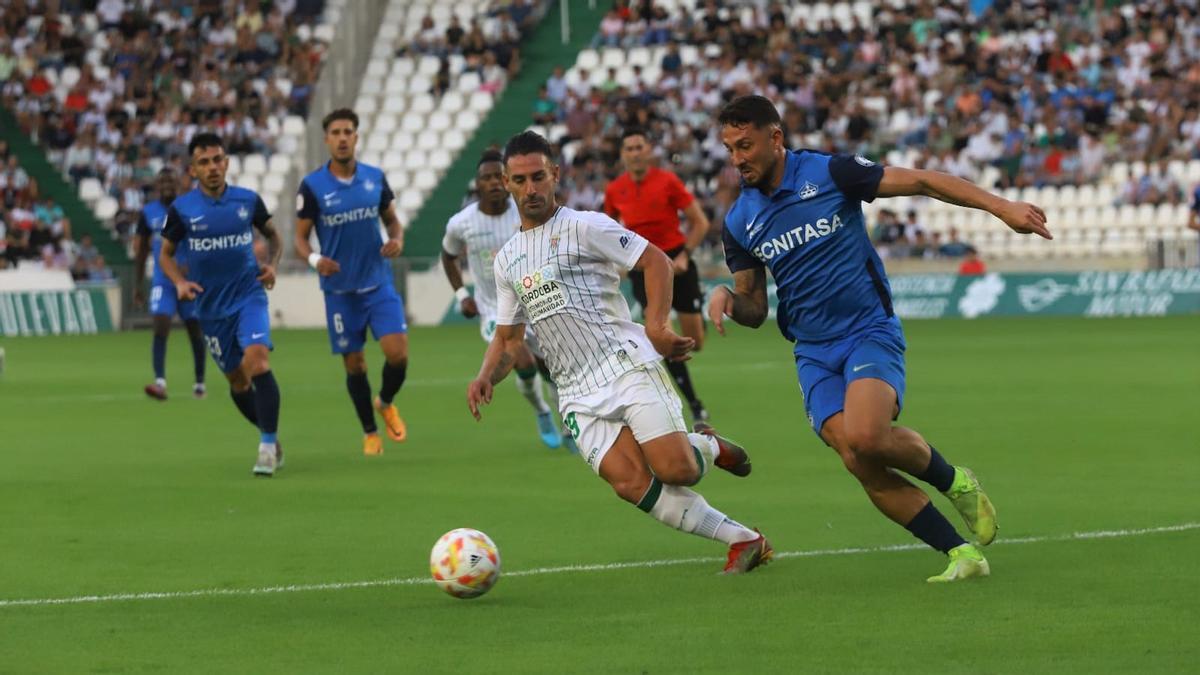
pixel 347 316
pixel 228 338
pixel 825 369
pixel 164 301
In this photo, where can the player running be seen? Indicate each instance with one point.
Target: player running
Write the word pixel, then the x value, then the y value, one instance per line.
pixel 215 224
pixel 164 304
pixel 799 214
pixel 345 200
pixel 647 200
pixel 560 273
pixel 478 232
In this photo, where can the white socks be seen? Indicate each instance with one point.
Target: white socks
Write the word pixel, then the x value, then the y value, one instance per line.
pixel 531 389
pixel 706 450
pixel 688 511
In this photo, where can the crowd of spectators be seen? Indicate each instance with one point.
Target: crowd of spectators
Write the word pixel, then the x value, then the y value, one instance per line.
pixel 35 231
pixel 1032 93
pixel 117 91
pixel 489 44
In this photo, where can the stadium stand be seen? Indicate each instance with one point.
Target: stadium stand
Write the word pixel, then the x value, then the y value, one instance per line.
pixel 1094 116
pixel 35 231
pixel 435 71
pixel 115 93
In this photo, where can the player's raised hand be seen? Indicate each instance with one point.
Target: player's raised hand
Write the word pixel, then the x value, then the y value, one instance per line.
pixel 1025 218
pixel 392 248
pixel 670 344
pixel 188 290
pixel 468 307
pixel 478 393
pixel 720 305
pixel 266 276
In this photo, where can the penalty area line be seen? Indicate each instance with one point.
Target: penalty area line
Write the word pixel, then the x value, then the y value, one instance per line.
pixel 595 567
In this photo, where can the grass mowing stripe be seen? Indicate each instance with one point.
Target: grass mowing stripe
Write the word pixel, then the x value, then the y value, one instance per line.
pixel 595 567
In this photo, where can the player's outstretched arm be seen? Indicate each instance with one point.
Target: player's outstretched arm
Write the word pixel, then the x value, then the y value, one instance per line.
pixel 656 268
pixel 745 303
pixel 1022 217
pixel 498 360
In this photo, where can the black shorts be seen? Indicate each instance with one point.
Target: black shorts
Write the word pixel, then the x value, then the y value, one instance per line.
pixel 686 299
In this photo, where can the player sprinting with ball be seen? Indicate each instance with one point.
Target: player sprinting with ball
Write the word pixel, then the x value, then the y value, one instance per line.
pixel 560 273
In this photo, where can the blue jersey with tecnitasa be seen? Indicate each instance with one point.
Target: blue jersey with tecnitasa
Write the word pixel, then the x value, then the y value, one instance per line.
pixel 150 225
pixel 810 234
pixel 217 237
pixel 346 214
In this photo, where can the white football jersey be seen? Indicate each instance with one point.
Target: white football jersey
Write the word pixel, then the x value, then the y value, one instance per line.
pixel 481 236
pixel 563 278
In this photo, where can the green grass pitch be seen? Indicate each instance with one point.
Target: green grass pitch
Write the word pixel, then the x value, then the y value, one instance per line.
pixel 1072 425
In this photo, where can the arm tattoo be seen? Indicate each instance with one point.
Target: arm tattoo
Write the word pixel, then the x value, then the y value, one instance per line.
pixel 503 365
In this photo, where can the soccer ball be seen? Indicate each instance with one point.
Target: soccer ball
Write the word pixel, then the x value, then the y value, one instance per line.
pixel 465 563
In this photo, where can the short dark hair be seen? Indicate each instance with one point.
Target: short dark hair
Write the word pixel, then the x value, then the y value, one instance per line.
pixel 753 109
pixel 634 131
pixel 340 114
pixel 490 156
pixel 527 143
pixel 204 139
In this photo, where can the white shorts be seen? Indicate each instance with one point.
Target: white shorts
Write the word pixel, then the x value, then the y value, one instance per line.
pixel 642 399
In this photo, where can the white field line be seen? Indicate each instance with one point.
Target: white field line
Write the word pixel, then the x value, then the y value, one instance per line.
pixel 595 567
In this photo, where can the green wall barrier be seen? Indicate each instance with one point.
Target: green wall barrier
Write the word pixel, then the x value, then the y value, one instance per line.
pixel 1085 294
pixel 75 312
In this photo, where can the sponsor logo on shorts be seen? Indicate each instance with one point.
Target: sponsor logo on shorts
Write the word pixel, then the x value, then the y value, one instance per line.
pixel 591 458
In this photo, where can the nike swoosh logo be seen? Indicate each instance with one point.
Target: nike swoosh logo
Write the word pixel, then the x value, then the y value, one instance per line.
pixel 329 195
pixel 858 368
pixel 196 219
pixel 255 336
pixel 749 226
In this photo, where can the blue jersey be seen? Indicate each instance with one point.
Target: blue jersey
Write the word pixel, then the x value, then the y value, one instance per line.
pixel 346 214
pixel 810 234
pixel 217 238
pixel 150 225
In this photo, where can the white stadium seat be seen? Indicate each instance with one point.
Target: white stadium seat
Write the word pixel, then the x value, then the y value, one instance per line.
pixel 106 208
pixel 272 184
pixel 279 164
pixel 425 180
pixel 90 189
pixel 254 165
pixel 422 103
pixel 429 140
pixel 248 182
pixel 440 160
pixel 454 140
pixel 411 200
pixel 413 123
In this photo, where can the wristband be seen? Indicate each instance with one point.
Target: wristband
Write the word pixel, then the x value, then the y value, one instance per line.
pixel 462 293
pixel 313 259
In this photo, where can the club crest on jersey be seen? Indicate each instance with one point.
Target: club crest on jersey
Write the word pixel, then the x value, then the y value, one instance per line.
pixel 369 185
pixel 808 191
pixel 243 213
pixel 554 244
pixel 624 241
